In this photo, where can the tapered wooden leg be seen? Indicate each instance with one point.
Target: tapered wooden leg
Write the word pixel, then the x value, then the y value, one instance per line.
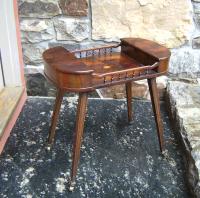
pixel 55 116
pixel 156 109
pixel 80 118
pixel 129 99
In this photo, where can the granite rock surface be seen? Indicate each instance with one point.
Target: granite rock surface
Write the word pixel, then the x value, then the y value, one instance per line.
pixel 39 8
pixel 126 18
pixel 71 29
pixel 74 7
pixel 184 101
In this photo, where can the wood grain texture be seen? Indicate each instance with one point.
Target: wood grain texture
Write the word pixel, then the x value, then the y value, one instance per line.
pixel 102 67
pixel 55 115
pixel 156 109
pixel 147 52
pixel 129 100
pixel 80 118
pixel 9 98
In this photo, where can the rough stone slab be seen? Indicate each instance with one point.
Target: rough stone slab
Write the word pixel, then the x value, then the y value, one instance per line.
pixel 33 69
pixel 196 42
pixel 115 19
pixel 74 7
pixel 71 28
pixel 197 20
pixel 196 8
pixel 33 53
pixel 36 30
pixel 36 84
pixel 185 62
pixel 144 2
pixel 68 46
pixel 189 114
pixel 177 91
pixel 184 99
pixel 39 8
pixel 193 131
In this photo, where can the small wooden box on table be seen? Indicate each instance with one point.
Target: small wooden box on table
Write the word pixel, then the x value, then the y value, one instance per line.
pixel 84 71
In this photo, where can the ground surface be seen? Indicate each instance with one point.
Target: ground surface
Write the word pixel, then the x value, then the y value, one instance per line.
pixel 117 160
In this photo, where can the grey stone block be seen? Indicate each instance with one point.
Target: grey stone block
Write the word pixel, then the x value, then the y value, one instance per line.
pixel 39 8
pixel 73 29
pixel 184 101
pixel 36 30
pixel 196 43
pixel 185 62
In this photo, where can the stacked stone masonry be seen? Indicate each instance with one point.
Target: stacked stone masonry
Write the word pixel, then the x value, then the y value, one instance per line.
pixel 77 24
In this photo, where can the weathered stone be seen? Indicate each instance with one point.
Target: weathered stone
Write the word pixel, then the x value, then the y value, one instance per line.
pixel 196 8
pixel 197 20
pixel 74 7
pixel 33 53
pixel 35 30
pixel 37 85
pixel 71 29
pixel 70 47
pixel 185 62
pixel 114 19
pixel 189 115
pixel 139 89
pixel 144 2
pixel 39 8
pixel 196 43
pixel 178 89
pixel 32 69
pixel 196 16
pixel 184 100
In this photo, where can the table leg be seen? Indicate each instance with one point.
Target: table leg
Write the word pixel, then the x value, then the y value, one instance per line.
pixel 80 118
pixel 55 116
pixel 156 109
pixel 129 99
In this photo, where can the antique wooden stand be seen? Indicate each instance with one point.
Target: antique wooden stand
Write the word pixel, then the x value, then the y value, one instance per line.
pixel 84 71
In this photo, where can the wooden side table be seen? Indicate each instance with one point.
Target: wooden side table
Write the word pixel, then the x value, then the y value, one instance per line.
pixel 84 71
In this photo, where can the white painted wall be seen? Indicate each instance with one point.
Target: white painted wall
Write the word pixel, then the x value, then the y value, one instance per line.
pixel 8 44
pixel 1 78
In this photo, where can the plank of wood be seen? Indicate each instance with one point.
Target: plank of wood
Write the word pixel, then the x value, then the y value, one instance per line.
pixel 1 89
pixel 9 98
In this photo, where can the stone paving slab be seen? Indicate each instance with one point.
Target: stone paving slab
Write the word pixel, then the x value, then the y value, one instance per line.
pixel 117 159
pixel 184 99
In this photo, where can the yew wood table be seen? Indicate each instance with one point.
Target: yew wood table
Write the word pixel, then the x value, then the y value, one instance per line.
pixel 84 71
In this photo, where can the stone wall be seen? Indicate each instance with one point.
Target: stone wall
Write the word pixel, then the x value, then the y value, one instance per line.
pixel 80 23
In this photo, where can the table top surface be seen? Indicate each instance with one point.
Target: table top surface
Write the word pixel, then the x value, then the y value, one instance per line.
pixel 88 69
pixel 110 63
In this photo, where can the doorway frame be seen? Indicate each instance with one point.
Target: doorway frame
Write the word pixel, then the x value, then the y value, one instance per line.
pixel 17 67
